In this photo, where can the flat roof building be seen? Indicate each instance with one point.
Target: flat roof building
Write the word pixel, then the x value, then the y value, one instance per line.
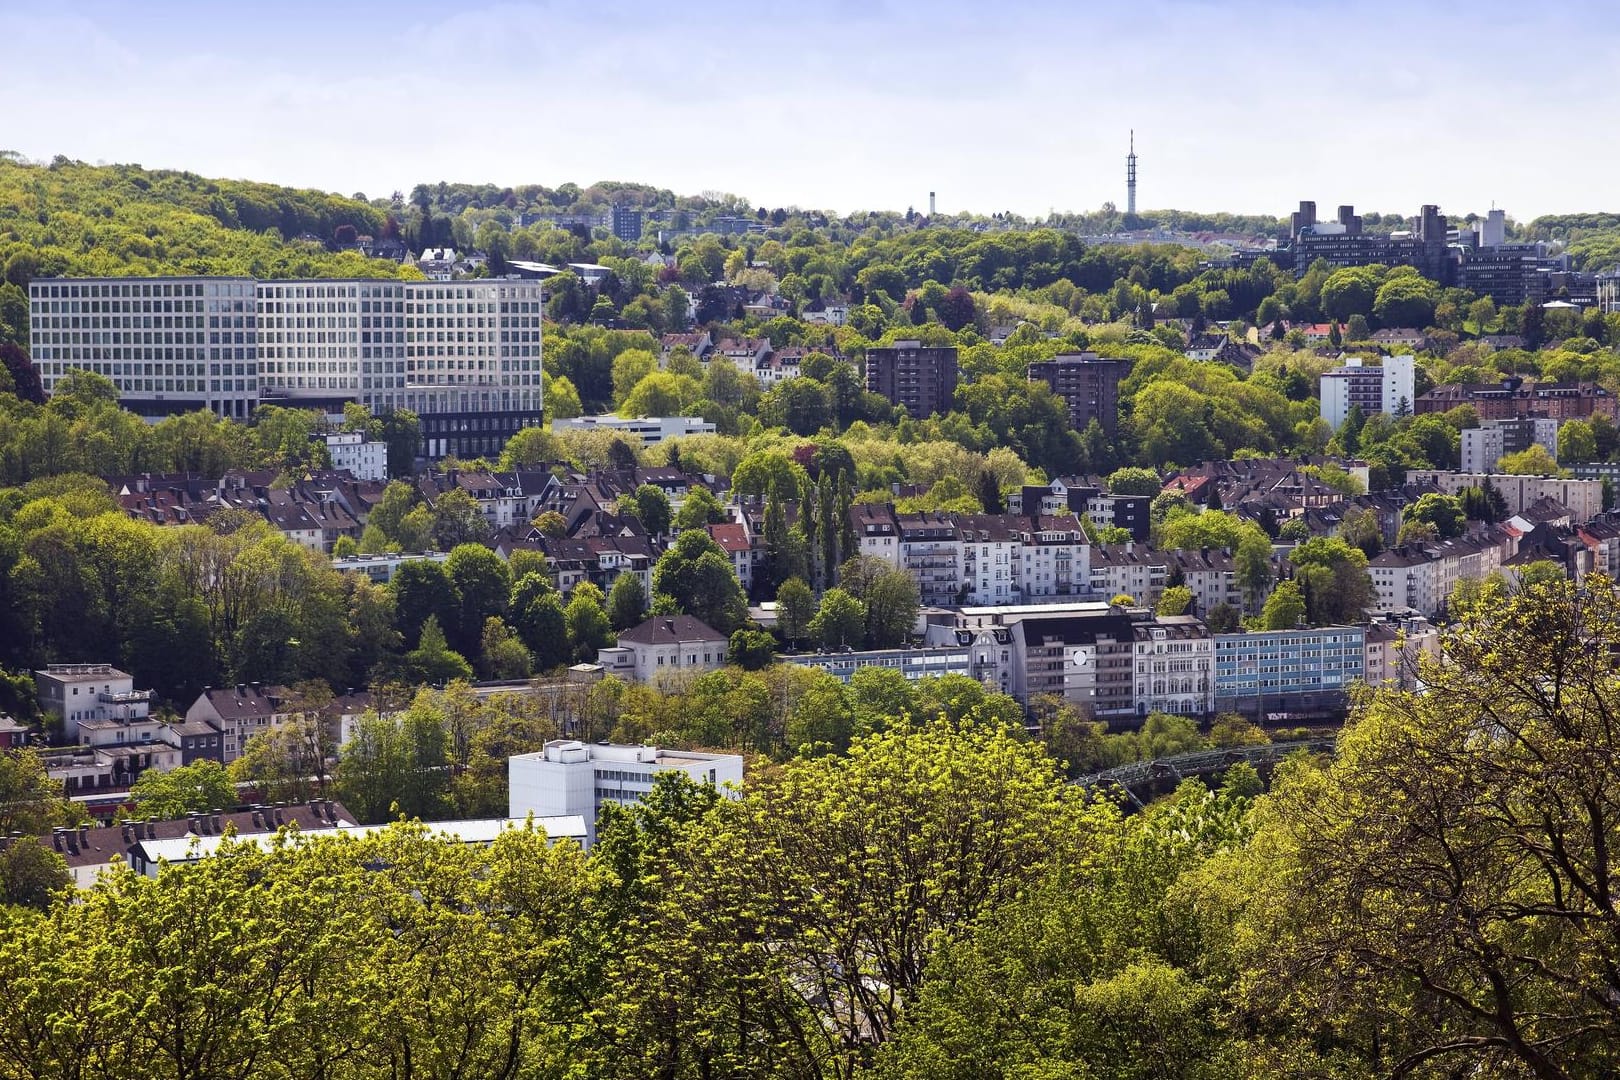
pixel 919 378
pixel 569 778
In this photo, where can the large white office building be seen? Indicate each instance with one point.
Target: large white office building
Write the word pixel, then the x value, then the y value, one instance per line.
pixel 171 345
pixel 463 355
pixel 570 778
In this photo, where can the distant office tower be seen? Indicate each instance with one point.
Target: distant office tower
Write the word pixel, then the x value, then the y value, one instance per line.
pixel 626 223
pixel 919 378
pixel 171 345
pixel 1088 385
pixel 1493 230
pixel 1130 176
pixel 464 355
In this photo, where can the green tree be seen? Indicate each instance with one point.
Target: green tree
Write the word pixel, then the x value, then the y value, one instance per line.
pixel 839 621
pixel 482 583
pixel 1534 461
pixel 589 628
pixel 200 786
pixel 1406 300
pixel 1175 600
pixel 1285 607
pixel 795 608
pixel 457 520
pixel 1444 512
pixel 698 577
pixel 627 602
pixel 1133 480
pixel 433 661
pixel 751 650
pixel 651 507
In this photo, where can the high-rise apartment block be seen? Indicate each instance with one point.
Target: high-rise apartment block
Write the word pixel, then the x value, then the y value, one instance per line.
pixel 464 355
pixel 1386 389
pixel 1088 385
pixel 919 378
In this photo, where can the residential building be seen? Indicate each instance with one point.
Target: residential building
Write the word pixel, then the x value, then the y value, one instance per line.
pixel 665 645
pixel 1303 671
pixel 1395 643
pixel 1128 569
pixel 1054 559
pixel 651 430
pixel 357 453
pixel 1173 665
pixel 1515 398
pixel 734 540
pixel 1387 389
pixel 569 778
pixel 1583 497
pixel 1088 385
pixel 1481 448
pixel 921 379
pixel 626 223
pixel 170 344
pixel 85 694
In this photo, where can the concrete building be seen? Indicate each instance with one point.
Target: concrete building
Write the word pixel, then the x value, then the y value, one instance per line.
pixel 921 379
pixel 920 663
pixel 1291 671
pixel 1481 449
pixel 1088 385
pixel 1583 497
pixel 354 451
pixel 665 645
pixel 1395 643
pixel 1386 389
pixel 463 355
pixel 382 568
pixel 569 778
pixel 87 694
pixel 626 223
pixel 170 344
pixel 651 430
pixel 1340 243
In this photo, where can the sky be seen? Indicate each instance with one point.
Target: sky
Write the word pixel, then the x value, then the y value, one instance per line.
pixel 1246 105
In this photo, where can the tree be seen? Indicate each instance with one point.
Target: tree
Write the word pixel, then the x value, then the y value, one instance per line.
pixel 423 589
pixel 1406 300
pixel 433 661
pixel 31 875
pixel 1134 481
pixel 457 520
pixel 589 628
pixel 1463 923
pixel 1577 441
pixel 551 524
pixel 1333 579
pixel 699 508
pixel 1349 291
pixel 537 615
pixel 30 801
pixel 1285 607
pixel 195 788
pixel 1534 461
pixel 1444 512
pixel 482 583
pixel 839 621
pixel 795 608
pixel 651 507
pixel 1175 600
pixel 1223 619
pixel 503 655
pixel 751 650
pixel 627 602
pixel 698 577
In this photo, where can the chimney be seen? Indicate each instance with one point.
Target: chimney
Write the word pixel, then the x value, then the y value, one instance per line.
pixel 129 833
pixel 84 835
pixel 56 837
pixel 217 820
pixel 280 820
pixel 331 811
pixel 315 807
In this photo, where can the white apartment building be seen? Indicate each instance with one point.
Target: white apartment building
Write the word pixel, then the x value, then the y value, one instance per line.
pixel 1381 389
pixel 1174 666
pixel 569 778
pixel 1583 497
pixel 90 694
pixel 1054 560
pixel 651 430
pixel 463 355
pixel 1128 569
pixel 353 451
pixel 171 344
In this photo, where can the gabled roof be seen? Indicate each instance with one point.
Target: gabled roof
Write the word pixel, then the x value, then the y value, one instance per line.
pixel 671 630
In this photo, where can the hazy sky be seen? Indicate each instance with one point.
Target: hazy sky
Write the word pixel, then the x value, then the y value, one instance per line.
pixel 1248 105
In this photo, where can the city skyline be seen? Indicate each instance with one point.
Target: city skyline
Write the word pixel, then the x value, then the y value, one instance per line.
pixel 1244 108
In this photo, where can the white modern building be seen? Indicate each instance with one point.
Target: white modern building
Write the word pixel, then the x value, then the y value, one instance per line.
pixel 88 694
pixel 1583 497
pixel 171 345
pixel 1484 446
pixel 1385 389
pixel 651 430
pixel 354 451
pixel 463 355
pixel 574 779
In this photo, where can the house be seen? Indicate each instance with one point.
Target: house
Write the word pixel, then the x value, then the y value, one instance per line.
pixel 90 693
pixel 734 541
pixel 699 344
pixel 1401 338
pixel 665 645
